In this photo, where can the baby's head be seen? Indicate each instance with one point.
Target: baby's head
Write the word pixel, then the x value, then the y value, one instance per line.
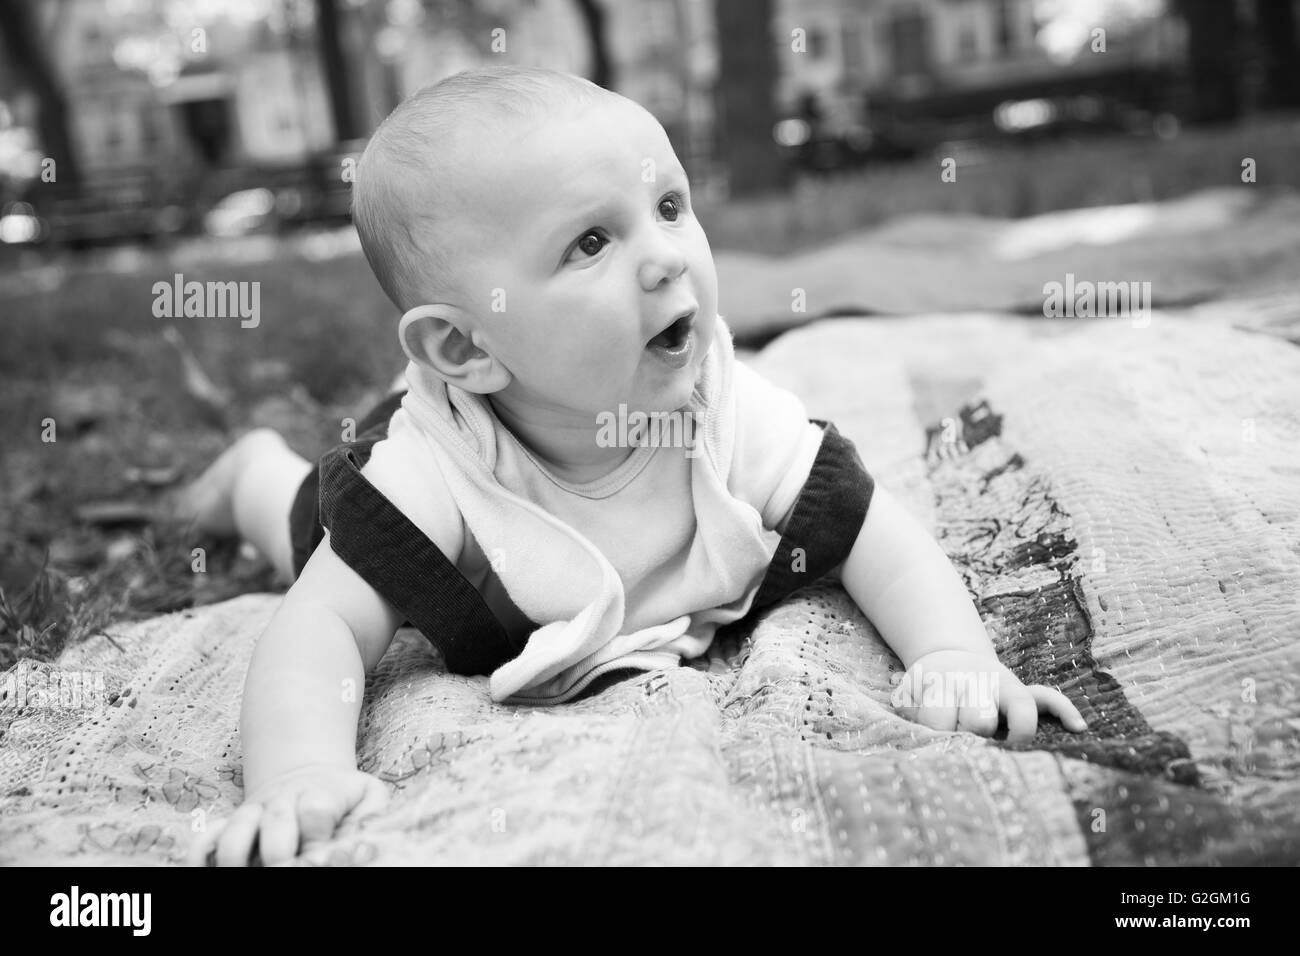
pixel 537 232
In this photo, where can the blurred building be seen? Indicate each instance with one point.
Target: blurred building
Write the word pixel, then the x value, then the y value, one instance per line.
pixel 176 85
pixel 946 58
pixel 148 84
pixel 665 57
pixel 662 54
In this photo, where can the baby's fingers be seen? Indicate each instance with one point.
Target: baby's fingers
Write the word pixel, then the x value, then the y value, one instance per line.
pixel 1022 716
pixel 318 816
pixel 977 719
pixel 204 844
pixel 1052 701
pixel 236 839
pixel 278 841
pixel 374 798
pixel 908 699
pixel 936 718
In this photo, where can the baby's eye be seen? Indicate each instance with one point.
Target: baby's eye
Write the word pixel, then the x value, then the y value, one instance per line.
pixel 591 248
pixel 675 202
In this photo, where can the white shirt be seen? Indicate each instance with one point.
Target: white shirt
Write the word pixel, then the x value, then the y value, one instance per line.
pixel 638 568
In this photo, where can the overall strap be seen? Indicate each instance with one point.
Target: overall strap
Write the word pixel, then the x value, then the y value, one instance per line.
pixel 825 522
pixel 408 570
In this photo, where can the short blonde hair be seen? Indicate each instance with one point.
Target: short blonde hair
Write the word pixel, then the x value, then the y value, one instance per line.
pixel 399 197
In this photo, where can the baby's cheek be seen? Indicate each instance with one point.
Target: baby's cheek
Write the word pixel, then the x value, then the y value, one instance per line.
pixel 561 360
pixel 532 340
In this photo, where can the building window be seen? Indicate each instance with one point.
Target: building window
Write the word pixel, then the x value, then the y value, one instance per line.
pixel 816 43
pixel 1006 33
pixel 967 45
pixel 148 126
pixel 909 35
pixel 854 60
pixel 657 21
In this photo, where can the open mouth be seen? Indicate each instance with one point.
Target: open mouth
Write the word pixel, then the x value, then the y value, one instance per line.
pixel 676 335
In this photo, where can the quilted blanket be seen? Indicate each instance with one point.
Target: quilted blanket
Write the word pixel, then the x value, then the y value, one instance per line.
pixel 1123 504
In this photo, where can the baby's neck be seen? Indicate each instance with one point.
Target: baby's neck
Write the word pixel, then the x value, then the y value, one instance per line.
pixel 568 450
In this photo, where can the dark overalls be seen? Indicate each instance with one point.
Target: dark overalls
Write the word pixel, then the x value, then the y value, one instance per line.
pixel 408 570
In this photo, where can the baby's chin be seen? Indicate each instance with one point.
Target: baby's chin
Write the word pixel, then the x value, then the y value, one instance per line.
pixel 668 396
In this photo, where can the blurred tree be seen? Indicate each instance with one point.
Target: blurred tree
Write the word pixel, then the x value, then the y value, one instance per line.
pixel 1277 34
pixel 25 49
pixel 473 20
pixel 1213 55
pixel 746 109
pixel 336 70
pixel 593 16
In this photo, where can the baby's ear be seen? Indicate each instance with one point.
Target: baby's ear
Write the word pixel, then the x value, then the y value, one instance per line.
pixel 439 337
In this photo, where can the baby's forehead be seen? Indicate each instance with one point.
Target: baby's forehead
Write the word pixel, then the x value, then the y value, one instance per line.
pixel 522 172
pixel 620 143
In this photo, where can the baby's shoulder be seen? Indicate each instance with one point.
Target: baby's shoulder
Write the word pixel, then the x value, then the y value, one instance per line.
pixel 766 414
pixel 404 469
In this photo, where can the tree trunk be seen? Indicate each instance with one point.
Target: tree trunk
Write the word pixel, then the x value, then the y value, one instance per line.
pixel 746 110
pixel 593 15
pixel 1277 35
pixel 1213 57
pixel 21 41
pixel 335 65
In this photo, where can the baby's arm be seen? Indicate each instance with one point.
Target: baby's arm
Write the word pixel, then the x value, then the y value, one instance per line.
pixel 298 724
pixel 905 584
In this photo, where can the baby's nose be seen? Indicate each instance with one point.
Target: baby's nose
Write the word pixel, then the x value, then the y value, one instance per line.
pixel 666 262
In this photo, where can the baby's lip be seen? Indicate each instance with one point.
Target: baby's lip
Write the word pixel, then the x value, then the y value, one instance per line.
pixel 687 313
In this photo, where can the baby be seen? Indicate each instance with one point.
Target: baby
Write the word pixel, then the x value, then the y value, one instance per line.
pixel 537 233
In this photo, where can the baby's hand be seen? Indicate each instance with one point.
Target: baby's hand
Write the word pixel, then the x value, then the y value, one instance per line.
pixel 303 805
pixel 963 690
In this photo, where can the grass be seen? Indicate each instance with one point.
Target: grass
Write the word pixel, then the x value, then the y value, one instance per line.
pixel 83 348
pixel 90 356
pixel 1011 183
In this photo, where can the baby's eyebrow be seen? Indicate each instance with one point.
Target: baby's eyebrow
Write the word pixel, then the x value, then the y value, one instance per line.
pixel 576 221
pixel 598 208
pixel 676 172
